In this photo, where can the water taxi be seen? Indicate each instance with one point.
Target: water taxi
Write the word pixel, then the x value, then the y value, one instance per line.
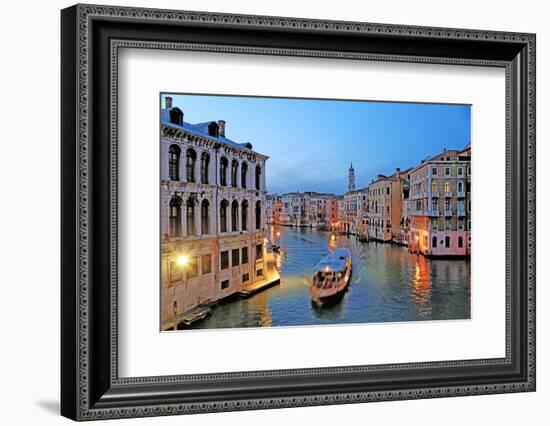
pixel 331 277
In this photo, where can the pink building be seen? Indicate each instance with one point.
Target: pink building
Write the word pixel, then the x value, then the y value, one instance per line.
pixel 440 205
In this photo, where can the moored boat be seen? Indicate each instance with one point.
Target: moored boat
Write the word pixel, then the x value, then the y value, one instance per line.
pixel 331 277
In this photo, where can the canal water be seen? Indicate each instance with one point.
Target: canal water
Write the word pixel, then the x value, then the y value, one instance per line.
pixel 388 284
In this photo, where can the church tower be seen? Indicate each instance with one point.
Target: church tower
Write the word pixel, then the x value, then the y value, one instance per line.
pixel 351 178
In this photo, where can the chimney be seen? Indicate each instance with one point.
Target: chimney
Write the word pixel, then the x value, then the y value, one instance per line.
pixel 168 102
pixel 221 126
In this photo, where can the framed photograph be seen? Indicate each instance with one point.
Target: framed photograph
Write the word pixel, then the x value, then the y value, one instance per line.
pixel 263 212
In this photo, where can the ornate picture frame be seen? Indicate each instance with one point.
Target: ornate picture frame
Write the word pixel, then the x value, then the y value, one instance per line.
pixel 91 37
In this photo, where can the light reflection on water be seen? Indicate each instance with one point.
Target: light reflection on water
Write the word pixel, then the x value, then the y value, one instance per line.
pixel 388 284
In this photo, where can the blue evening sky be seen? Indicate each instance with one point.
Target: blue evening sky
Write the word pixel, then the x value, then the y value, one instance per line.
pixel 310 143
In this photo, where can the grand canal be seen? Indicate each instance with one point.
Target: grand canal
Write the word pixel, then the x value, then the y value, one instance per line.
pixel 388 284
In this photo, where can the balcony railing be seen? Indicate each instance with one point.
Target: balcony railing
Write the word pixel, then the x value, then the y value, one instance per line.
pixel 448 212
pixel 434 212
pixel 460 194
pixel 448 194
pixel 461 212
pixel 435 193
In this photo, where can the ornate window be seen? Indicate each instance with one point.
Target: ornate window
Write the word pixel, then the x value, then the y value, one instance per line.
pixel 258 177
pixel 234 215
pixel 190 160
pixel 244 215
pixel 175 217
pixel 223 171
pixel 174 162
pixel 234 170
pixel 434 188
pixel 205 164
pixel 258 215
pixel 223 216
pixel 447 187
pixel 205 217
pixel 190 217
pixel 244 171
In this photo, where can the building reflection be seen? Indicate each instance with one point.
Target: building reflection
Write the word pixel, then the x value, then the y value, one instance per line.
pixel 422 285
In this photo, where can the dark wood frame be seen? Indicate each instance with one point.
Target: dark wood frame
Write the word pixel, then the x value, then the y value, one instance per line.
pixel 90 386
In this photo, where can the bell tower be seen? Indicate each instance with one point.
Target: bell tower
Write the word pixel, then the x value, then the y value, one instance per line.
pixel 351 178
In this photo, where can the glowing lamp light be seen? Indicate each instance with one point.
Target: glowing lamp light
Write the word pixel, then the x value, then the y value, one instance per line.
pixel 278 234
pixel 182 260
pixel 416 238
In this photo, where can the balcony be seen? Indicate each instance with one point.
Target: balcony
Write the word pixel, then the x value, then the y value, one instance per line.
pixel 460 194
pixel 448 212
pixel 432 212
pixel 448 194
pixel 435 193
pixel 461 212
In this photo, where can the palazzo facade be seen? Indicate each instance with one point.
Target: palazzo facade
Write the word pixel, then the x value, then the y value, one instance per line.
pixel 213 219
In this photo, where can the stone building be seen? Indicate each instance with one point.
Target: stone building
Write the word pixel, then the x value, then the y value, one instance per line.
pixel 273 208
pixel 439 193
pixel 308 209
pixel 213 219
pixel 385 206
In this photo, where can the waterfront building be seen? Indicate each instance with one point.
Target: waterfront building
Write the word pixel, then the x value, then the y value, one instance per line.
pixel 440 215
pixel 273 208
pixel 385 205
pixel 213 217
pixel 406 207
pixel 311 209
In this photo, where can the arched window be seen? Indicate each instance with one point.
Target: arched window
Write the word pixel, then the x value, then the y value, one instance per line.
pixel 190 160
pixel 434 188
pixel 174 162
pixel 190 217
pixel 258 177
pixel 234 215
pixel 258 215
pixel 447 187
pixel 205 163
pixel 244 171
pixel 205 217
pixel 234 169
pixel 175 217
pixel 244 215
pixel 447 242
pixel 223 171
pixel 434 241
pixel 223 216
pixel 460 242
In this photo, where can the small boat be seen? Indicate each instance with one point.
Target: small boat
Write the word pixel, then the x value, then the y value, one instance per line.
pixel 331 277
